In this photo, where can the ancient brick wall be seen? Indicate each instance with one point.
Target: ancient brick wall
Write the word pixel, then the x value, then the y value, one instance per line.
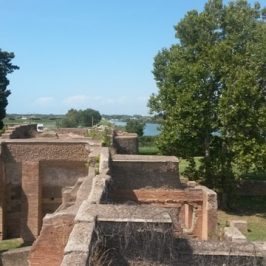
pixel 56 175
pixel 21 150
pixel 76 131
pixel 13 194
pixel 138 171
pixel 34 175
pixel 20 132
pixel 49 248
pixel 251 188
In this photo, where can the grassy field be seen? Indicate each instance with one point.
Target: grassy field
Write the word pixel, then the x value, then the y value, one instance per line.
pixel 256 224
pixel 251 209
pixel 10 244
pixel 148 150
pixel 48 122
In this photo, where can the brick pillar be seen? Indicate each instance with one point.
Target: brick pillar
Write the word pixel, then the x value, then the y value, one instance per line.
pixel 30 201
pixel 209 213
pixel 2 201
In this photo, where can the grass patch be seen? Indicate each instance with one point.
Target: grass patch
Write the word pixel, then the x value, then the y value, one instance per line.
pixel 256 224
pixel 148 150
pixel 251 209
pixel 10 244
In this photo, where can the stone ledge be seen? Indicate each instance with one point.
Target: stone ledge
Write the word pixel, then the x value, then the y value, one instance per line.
pixel 75 258
pixel 80 238
pixel 124 213
pixel 144 158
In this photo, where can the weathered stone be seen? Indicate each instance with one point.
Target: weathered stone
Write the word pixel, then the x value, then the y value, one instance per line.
pixel 241 225
pixel 233 234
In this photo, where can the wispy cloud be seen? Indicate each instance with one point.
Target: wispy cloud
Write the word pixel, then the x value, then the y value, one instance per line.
pixel 76 100
pixel 44 101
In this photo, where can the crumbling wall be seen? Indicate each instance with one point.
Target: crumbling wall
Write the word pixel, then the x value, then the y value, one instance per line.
pixel 15 257
pixel 20 132
pixel 144 235
pixel 77 131
pixel 56 175
pixel 34 173
pixel 154 244
pixel 12 198
pixel 60 227
pixel 251 188
pixel 77 249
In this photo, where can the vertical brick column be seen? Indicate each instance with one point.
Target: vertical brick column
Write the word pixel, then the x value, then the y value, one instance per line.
pixel 209 213
pixel 30 201
pixel 2 200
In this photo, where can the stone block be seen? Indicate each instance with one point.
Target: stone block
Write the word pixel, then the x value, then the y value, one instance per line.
pixel 241 225
pixel 80 238
pixel 234 235
pixel 75 258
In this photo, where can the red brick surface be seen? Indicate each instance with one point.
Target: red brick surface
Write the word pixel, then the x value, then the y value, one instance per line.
pixel 48 249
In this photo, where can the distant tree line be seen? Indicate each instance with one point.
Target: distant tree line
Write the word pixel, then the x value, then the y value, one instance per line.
pixel 81 118
pixel 142 118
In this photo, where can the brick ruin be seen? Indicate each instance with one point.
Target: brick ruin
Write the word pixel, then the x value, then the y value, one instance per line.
pixel 68 195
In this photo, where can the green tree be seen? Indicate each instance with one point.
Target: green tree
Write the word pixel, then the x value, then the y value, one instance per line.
pixel 81 118
pixel 135 126
pixel 6 68
pixel 212 89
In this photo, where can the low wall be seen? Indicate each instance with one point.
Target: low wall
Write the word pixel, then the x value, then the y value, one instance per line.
pixel 76 131
pixel 33 173
pixel 77 249
pixel 15 257
pixel 139 171
pixel 154 244
pixel 251 188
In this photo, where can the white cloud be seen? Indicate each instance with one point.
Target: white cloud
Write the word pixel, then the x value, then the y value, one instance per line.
pixel 81 100
pixel 44 101
pixel 76 100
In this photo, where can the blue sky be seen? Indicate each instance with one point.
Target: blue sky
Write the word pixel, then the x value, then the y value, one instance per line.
pixel 87 53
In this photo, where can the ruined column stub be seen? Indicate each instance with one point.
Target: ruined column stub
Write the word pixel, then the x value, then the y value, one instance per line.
pixel 209 213
pixel 30 201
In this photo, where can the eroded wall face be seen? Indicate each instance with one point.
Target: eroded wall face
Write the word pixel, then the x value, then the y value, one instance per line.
pixel 139 174
pixel 49 249
pixel 34 175
pixel 56 175
pixel 13 191
pixel 30 221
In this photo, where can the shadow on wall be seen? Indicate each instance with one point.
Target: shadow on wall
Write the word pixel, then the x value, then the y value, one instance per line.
pixel 26 233
pixel 138 244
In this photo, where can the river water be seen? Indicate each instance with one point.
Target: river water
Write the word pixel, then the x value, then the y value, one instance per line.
pixel 150 129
